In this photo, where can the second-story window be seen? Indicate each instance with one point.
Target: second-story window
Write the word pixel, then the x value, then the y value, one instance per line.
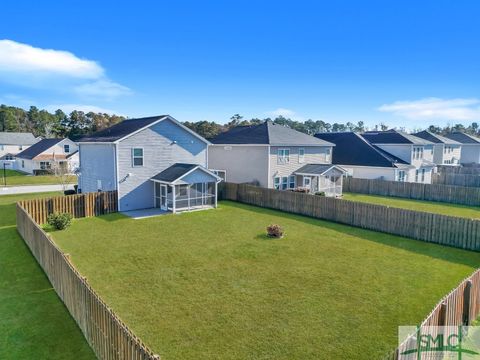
pixel 66 148
pixel 137 157
pixel 301 155
pixel 423 175
pixel 283 156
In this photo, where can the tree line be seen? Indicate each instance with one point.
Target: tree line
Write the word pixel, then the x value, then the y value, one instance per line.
pixel 57 124
pixel 78 123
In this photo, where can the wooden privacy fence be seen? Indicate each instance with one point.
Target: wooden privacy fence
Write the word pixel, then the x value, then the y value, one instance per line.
pixel 446 230
pixel 468 169
pixel 460 307
pixel 81 205
pixel 456 179
pixel 430 192
pixel 106 334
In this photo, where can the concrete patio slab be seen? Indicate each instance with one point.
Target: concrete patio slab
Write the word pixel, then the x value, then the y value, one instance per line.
pixel 145 213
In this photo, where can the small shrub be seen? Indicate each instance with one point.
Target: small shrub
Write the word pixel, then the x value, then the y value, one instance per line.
pixel 59 221
pixel 275 231
pixel 320 193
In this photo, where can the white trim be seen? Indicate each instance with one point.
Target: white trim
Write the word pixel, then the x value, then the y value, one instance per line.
pixel 222 145
pixel 133 156
pixel 330 168
pixel 117 175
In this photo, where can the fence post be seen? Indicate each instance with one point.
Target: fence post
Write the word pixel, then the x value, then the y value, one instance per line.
pixel 466 303
pixel 442 315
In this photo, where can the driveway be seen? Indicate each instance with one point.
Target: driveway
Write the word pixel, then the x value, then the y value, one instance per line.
pixel 31 189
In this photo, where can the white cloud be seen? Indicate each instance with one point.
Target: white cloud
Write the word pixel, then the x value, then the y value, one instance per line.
pixel 287 113
pixel 436 109
pixel 55 70
pixel 68 108
pixel 103 88
pixel 23 58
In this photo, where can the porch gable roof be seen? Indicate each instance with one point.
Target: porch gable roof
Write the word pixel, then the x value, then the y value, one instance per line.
pixel 175 173
pixel 318 169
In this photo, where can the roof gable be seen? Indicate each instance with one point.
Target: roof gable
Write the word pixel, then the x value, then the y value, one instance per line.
pixel 178 171
pixel 435 138
pixel 352 149
pixel 38 148
pixel 463 138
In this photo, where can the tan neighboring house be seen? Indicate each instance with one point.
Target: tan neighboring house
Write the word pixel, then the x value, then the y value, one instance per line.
pixel 47 155
pixel 275 156
pixel 12 143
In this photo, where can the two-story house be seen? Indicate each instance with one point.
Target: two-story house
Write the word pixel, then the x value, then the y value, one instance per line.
pixel 153 162
pixel 275 156
pixel 12 143
pixel 445 151
pixel 363 160
pixel 48 155
pixel 470 147
pixel 411 149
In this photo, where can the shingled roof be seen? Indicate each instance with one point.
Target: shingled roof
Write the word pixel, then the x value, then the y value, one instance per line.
pixel 393 137
pixel 463 138
pixel 17 138
pixel 268 133
pixel 120 130
pixel 435 138
pixel 38 148
pixel 352 149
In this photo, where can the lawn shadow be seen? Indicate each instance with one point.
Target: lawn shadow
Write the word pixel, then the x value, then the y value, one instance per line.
pixel 265 237
pixel 443 252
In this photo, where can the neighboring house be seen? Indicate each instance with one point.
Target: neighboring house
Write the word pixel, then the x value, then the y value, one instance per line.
pixel 274 156
pixel 409 148
pixel 363 160
pixel 12 143
pixel 470 147
pixel 48 155
pixel 445 151
pixel 153 162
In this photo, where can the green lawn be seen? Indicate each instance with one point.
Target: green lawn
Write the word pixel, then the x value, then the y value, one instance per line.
pixel 211 285
pixel 15 178
pixel 34 324
pixel 471 212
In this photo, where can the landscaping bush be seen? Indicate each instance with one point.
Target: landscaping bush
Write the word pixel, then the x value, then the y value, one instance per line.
pixel 320 193
pixel 60 221
pixel 275 231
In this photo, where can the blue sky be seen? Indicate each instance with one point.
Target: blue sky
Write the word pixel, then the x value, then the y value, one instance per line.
pixel 404 63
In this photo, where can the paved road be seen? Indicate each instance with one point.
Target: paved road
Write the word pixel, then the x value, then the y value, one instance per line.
pixel 31 189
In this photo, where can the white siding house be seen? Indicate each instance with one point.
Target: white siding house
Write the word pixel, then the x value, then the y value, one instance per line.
pixel 445 151
pixel 12 143
pixel 151 162
pixel 47 155
pixel 470 147
pixel 274 156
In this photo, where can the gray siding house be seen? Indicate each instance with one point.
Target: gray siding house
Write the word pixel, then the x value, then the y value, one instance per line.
pixel 153 162
pixel 274 156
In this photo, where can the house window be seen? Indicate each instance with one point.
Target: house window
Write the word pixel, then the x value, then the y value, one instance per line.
pixel 66 148
pixel 291 184
pixel 416 175
pixel 283 156
pixel 9 157
pixel 421 153
pixel 137 157
pixel 284 182
pixel 301 155
pixel 44 165
pixel 423 175
pixel 276 183
pixel 401 175
pixel 327 157
pixel 23 163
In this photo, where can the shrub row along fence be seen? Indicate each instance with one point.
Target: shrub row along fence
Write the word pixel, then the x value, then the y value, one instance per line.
pixel 447 230
pixel 106 334
pixel 456 179
pixel 459 307
pixel 82 205
pixel 431 192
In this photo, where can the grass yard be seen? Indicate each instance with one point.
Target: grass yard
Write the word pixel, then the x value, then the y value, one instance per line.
pixel 34 324
pixel 211 285
pixel 15 178
pixel 471 212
